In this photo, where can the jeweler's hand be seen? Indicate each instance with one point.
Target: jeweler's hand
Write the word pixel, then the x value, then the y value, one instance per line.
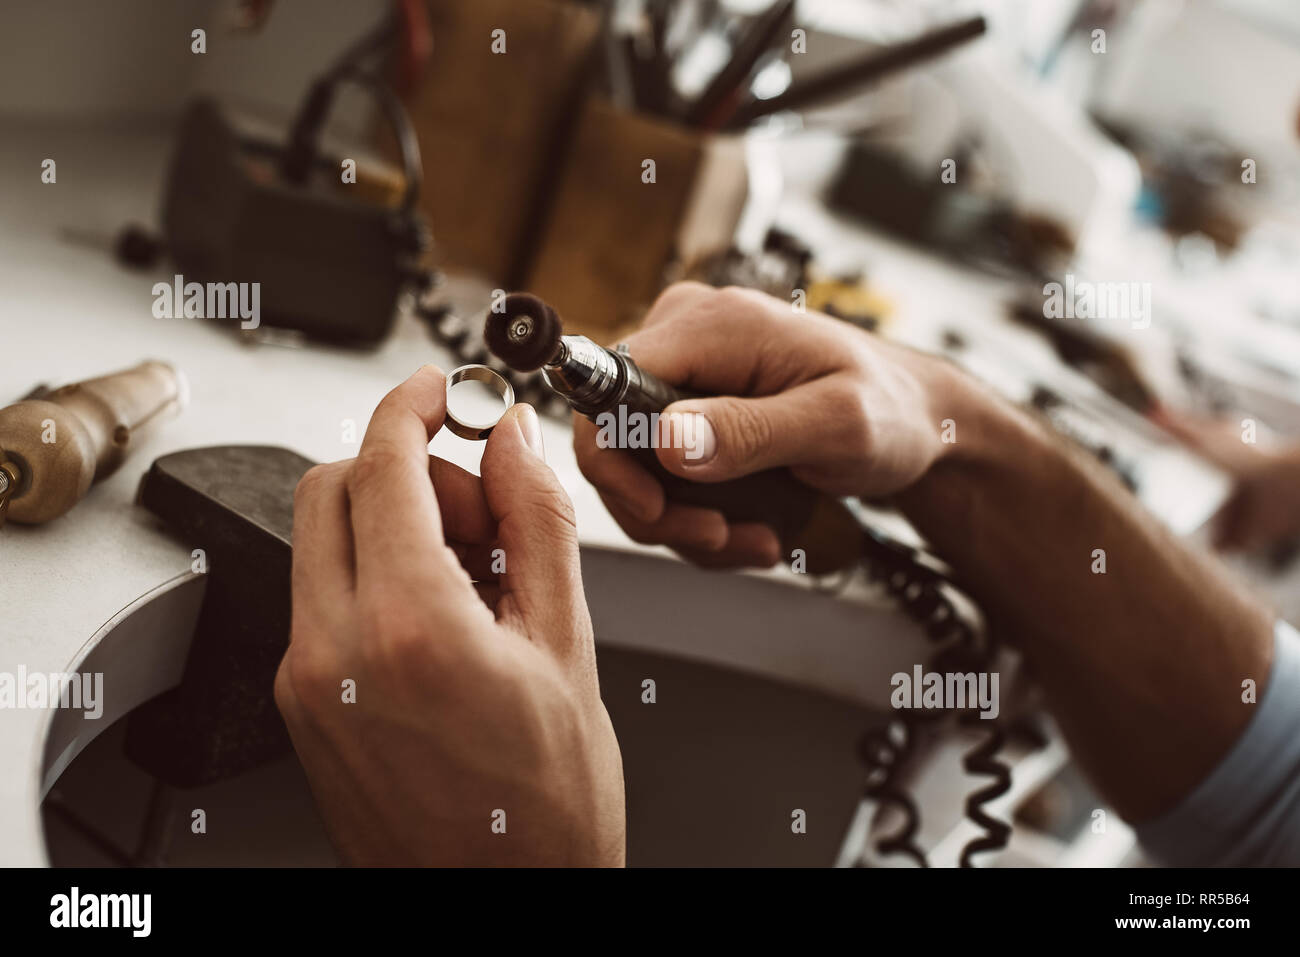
pixel 849 413
pixel 440 723
pixel 1264 507
pixel 1017 513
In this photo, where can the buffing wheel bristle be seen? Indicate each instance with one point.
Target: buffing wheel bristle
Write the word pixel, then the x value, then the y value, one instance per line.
pixel 525 334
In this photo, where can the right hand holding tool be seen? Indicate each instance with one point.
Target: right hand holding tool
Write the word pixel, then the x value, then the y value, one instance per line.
pixel 847 413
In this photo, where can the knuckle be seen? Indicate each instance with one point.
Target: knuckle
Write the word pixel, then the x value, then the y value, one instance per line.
pixel 311 484
pixel 748 432
pixel 384 620
pixel 553 510
pixel 307 677
pixel 738 299
pixel 856 416
pixel 282 690
pixel 401 639
pixel 395 640
pixel 680 295
pixel 371 466
pixel 857 353
pixel 639 534
pixel 732 297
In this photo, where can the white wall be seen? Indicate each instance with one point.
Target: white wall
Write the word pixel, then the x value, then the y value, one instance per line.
pixel 123 60
pixel 1216 67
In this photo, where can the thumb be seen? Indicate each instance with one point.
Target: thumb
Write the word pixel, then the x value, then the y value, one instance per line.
pixel 717 439
pixel 541 586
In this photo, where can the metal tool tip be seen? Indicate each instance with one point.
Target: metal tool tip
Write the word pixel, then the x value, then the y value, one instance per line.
pixel 523 332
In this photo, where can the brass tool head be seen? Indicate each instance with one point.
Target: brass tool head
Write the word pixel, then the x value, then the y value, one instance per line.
pixel 8 486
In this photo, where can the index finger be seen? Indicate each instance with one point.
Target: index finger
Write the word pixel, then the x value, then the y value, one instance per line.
pixel 396 524
pixel 735 342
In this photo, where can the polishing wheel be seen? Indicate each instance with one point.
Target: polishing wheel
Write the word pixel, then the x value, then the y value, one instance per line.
pixel 524 333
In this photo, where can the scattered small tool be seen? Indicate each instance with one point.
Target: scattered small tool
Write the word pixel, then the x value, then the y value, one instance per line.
pixel 133 246
pixel 849 78
pixel 716 104
pixel 52 448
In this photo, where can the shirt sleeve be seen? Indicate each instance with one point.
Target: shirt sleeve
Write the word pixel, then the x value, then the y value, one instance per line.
pixel 1247 812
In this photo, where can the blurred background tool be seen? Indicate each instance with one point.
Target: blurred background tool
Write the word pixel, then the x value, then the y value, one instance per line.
pixel 330 266
pixel 839 81
pixel 724 92
pixel 495 126
pixel 52 448
pixel 247 202
pixel 636 193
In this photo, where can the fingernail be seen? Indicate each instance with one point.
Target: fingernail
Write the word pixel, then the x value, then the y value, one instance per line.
pixel 699 441
pixel 530 427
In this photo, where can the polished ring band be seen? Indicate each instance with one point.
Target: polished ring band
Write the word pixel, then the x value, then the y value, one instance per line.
pixel 498 384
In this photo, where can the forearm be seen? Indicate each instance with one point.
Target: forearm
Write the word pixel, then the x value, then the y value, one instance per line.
pixel 1143 664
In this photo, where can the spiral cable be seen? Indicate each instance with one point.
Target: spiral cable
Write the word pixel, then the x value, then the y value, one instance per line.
pixel 884 752
pixel 982 759
pixel 919 592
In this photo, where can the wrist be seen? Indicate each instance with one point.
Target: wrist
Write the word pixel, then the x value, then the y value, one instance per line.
pixel 991 449
pixel 977 428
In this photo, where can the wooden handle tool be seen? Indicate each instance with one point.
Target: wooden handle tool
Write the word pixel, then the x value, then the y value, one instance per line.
pixel 54 447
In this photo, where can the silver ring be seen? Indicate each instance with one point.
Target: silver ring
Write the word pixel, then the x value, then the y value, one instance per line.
pixel 476 431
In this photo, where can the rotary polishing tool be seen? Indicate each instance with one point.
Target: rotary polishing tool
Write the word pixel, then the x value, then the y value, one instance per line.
pixel 526 334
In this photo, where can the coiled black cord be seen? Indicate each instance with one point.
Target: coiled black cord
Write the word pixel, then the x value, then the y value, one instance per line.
pixel 982 760
pixel 920 592
pixel 884 751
